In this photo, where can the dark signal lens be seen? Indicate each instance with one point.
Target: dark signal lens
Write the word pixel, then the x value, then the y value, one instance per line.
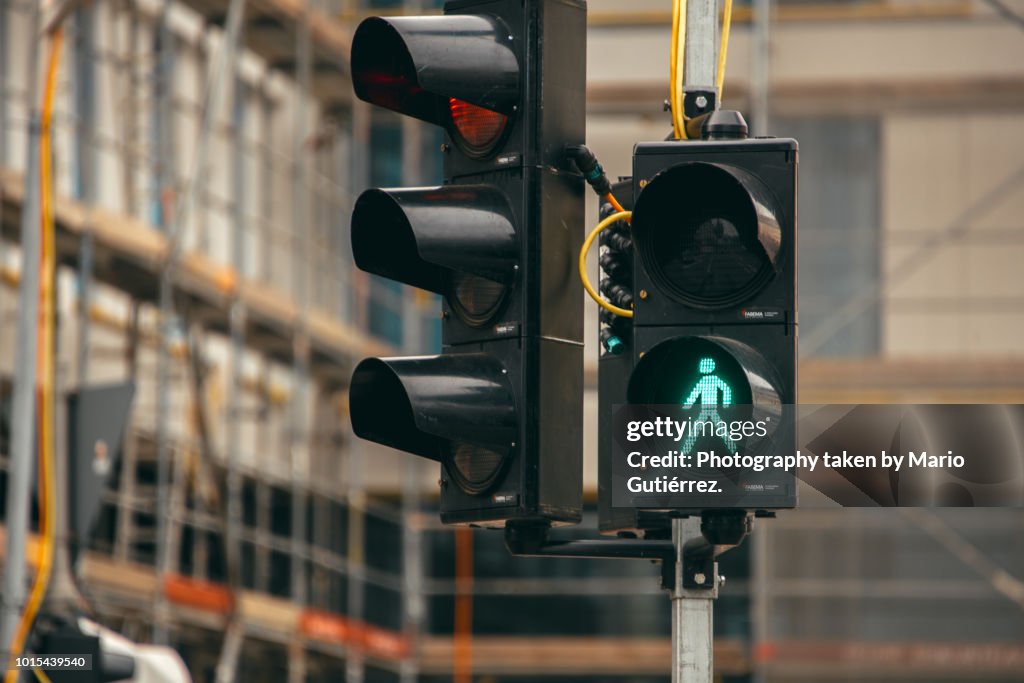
pixel 476 299
pixel 707 234
pixel 478 129
pixel 475 469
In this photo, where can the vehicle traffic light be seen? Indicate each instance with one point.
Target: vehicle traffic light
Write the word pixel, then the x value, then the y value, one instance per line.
pixel 708 264
pixel 500 408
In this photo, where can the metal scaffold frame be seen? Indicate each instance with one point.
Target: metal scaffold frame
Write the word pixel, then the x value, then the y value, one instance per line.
pixel 173 332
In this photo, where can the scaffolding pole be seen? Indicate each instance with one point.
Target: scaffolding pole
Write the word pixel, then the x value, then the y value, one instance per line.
pixel 354 670
pixel 413 606
pixel 85 171
pixel 227 665
pixel 24 390
pixel 298 409
pixel 4 7
pixel 195 180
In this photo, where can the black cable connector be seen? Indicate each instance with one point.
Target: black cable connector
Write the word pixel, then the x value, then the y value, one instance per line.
pixel 617 267
pixel 591 169
pixel 619 242
pixel 617 294
pixel 610 341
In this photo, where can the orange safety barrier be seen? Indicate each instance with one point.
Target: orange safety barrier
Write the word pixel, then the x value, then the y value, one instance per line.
pixel 333 628
pixel 204 595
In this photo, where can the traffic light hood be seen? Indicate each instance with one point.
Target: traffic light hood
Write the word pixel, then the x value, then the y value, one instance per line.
pixel 413 65
pixel 428 405
pixel 424 236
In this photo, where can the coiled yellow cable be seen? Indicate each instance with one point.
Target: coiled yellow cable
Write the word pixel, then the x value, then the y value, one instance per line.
pixel 607 305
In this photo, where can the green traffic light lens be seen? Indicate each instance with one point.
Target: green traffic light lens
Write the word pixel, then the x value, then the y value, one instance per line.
pixel 692 372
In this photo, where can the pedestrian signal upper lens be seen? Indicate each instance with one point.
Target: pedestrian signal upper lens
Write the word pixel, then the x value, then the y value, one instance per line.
pixel 707 234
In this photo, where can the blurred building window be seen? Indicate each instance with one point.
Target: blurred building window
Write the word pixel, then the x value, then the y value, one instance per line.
pixel 385 304
pixel 839 226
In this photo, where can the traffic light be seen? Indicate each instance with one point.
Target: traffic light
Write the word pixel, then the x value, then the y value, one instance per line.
pixel 708 264
pixel 500 408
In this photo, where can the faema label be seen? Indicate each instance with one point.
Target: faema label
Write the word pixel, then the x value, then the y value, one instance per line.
pixel 767 314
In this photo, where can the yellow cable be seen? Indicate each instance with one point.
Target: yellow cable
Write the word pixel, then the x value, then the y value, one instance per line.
pixel 723 50
pixel 621 215
pixel 677 63
pixel 614 202
pixel 46 482
pixel 673 59
pixel 41 676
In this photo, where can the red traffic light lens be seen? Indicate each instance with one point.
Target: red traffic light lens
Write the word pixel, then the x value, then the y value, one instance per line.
pixel 477 130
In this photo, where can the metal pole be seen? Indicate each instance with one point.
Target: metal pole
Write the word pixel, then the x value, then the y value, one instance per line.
pixel 301 263
pixel 85 171
pixel 412 340
pixel 195 180
pixel 62 594
pixel 761 66
pixel 414 605
pixel 299 402
pixel 23 408
pixel 4 6
pixel 354 670
pixel 759 607
pixel 692 634
pixel 701 43
pixel 227 665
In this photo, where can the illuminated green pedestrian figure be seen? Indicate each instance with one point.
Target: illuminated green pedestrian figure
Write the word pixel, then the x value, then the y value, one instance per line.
pixel 706 393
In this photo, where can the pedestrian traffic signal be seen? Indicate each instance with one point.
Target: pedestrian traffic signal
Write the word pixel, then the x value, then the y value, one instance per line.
pixel 500 408
pixel 708 262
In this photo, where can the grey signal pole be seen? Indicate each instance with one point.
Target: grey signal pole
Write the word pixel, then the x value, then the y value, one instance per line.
pixel 692 615
pixel 692 621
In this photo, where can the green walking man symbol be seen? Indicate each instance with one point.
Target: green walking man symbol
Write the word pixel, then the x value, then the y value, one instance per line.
pixel 706 393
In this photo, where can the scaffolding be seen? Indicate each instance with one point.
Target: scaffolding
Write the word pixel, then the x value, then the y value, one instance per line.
pixel 203 257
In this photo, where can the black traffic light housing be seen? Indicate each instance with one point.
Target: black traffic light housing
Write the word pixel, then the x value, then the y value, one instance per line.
pixel 710 263
pixel 500 408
